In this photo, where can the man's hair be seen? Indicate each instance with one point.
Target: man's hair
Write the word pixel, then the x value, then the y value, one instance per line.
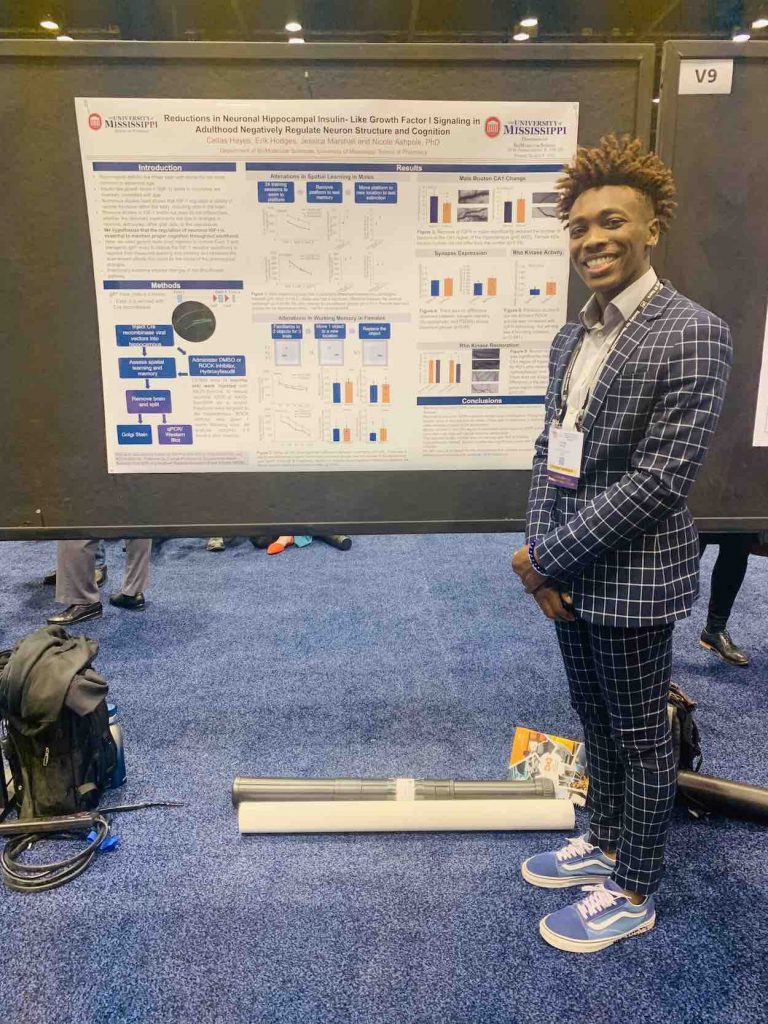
pixel 618 161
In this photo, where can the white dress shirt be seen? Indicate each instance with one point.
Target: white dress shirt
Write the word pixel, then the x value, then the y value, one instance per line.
pixel 599 337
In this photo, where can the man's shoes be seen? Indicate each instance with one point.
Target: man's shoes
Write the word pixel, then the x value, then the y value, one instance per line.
pixel 101 574
pixel 720 642
pixel 76 613
pixel 602 917
pixel 262 542
pixel 574 864
pixel 121 600
pixel 215 544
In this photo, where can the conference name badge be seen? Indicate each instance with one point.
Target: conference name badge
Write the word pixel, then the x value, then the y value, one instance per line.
pixel 564 463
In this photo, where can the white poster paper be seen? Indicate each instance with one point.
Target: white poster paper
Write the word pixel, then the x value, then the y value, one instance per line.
pixel 324 284
pixel 760 436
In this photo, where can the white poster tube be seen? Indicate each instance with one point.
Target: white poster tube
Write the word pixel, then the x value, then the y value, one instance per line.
pixel 406 816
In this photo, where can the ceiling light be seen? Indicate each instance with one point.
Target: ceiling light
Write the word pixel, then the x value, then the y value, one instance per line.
pixel 529 22
pixel 760 23
pixel 740 37
pixel 520 37
pixel 295 39
pixel 50 24
pixel 292 26
pixel 65 39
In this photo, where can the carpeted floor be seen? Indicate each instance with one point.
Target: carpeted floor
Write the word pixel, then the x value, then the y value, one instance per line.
pixel 404 656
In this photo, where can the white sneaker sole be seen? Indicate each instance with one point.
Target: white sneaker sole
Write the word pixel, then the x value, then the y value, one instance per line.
pixel 547 882
pixel 589 945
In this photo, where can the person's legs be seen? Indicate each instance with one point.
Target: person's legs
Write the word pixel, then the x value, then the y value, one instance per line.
pixel 100 555
pixel 727 577
pixel 634 667
pixel 76 572
pixel 605 768
pixel 136 574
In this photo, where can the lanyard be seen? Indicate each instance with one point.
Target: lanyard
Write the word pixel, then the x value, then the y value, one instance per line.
pixel 565 387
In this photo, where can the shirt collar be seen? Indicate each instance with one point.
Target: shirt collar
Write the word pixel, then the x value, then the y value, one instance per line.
pixel 620 309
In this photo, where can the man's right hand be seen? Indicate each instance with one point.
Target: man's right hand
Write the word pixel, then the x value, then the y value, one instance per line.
pixel 550 600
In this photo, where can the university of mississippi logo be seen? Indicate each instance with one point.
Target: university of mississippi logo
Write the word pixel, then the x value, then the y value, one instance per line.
pixel 492 127
pixel 94 121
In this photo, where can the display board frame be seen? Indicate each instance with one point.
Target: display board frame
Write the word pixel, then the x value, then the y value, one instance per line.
pixel 717 252
pixel 50 420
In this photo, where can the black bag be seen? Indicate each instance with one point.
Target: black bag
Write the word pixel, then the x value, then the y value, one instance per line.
pixel 686 739
pixel 64 766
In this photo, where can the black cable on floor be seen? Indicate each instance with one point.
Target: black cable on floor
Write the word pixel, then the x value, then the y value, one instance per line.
pixel 22 877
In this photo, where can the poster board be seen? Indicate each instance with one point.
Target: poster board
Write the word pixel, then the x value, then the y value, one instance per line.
pixel 52 408
pixel 711 132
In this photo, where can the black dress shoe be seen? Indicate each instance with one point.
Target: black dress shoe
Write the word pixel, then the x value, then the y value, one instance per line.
pixel 121 600
pixel 720 642
pixel 76 613
pixel 101 574
pixel 262 542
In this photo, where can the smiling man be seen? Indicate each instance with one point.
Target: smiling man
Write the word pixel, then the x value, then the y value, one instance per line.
pixel 635 390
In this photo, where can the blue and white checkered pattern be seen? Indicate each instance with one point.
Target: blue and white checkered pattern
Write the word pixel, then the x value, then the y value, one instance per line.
pixel 619 681
pixel 624 542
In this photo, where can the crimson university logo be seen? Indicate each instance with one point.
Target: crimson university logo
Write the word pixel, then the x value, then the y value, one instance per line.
pixel 94 121
pixel 492 127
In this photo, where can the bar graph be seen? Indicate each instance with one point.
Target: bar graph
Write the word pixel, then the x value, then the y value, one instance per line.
pixel 378 436
pixel 348 392
pixel 515 211
pixel 440 210
pixel 341 435
pixel 379 394
pixel 485 288
pixel 443 371
pixel 441 287
pixel 550 289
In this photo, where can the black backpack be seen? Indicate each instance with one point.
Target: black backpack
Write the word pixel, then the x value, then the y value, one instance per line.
pixel 64 767
pixel 686 739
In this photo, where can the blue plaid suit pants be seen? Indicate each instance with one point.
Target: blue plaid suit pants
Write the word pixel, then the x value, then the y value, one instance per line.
pixel 619 681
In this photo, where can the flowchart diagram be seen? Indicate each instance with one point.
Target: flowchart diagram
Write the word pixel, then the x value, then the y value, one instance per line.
pixel 193 322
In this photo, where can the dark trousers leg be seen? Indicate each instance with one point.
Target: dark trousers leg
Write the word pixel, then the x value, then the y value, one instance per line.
pixel 619 681
pixel 728 574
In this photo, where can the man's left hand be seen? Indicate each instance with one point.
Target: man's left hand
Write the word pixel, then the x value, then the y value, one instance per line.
pixel 529 577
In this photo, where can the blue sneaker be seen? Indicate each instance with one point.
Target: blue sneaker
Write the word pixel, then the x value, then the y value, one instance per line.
pixel 598 920
pixel 574 864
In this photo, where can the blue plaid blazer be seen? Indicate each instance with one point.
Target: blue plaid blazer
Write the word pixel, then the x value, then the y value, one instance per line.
pixel 624 544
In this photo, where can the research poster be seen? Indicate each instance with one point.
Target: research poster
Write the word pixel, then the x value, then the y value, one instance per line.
pixel 324 284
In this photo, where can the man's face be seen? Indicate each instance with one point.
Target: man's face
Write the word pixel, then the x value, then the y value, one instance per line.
pixel 610 230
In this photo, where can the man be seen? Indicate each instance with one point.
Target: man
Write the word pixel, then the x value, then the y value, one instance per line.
pixel 612 556
pixel 77 585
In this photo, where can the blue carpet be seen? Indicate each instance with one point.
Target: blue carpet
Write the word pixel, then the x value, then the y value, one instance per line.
pixel 404 656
